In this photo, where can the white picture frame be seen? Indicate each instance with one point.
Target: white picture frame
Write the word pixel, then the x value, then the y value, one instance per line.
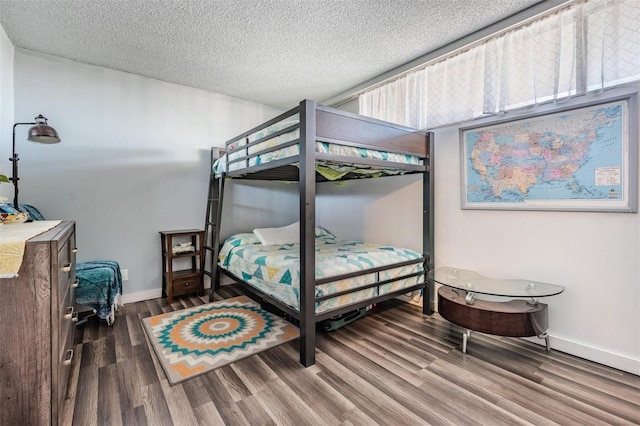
pixel 581 157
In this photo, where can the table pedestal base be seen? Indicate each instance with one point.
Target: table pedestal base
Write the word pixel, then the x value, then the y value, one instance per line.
pixel 514 318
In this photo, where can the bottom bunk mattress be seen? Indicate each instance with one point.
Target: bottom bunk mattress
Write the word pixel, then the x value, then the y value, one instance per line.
pixel 275 269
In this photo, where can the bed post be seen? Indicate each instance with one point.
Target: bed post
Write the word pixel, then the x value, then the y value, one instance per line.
pixel 428 227
pixel 307 232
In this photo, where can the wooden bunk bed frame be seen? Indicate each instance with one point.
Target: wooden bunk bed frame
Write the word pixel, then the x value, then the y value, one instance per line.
pixel 318 123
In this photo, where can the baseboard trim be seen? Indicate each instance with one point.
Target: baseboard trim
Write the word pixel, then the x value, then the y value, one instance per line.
pixel 592 353
pixel 141 296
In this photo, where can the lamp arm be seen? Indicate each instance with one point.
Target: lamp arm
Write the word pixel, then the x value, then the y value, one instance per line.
pixel 14 136
pixel 14 159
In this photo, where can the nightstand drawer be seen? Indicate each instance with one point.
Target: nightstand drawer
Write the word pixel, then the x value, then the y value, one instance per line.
pixel 186 285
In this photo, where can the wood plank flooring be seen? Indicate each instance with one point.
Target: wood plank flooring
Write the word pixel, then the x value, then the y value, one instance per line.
pixel 393 367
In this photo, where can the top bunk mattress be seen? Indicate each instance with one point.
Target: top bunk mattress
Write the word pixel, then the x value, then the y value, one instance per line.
pixel 281 140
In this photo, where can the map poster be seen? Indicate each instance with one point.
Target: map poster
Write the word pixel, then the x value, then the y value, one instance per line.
pixel 584 158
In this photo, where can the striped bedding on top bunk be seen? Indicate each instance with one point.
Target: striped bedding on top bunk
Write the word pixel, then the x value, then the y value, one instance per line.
pixel 275 269
pixel 330 171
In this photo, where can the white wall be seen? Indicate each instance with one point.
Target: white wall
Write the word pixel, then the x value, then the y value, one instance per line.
pixel 384 211
pixel 594 255
pixel 134 158
pixel 6 109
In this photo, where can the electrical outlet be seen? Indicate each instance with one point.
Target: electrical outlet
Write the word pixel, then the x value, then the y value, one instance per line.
pixel 125 274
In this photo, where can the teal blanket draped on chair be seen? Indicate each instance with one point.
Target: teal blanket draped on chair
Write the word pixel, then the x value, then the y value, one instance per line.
pixel 99 282
pixel 100 286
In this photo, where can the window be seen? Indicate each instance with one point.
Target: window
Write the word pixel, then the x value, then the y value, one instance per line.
pixel 585 47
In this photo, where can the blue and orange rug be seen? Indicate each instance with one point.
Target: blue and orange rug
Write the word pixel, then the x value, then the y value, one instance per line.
pixel 196 340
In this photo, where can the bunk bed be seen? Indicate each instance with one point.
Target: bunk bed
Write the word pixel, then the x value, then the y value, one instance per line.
pixel 310 144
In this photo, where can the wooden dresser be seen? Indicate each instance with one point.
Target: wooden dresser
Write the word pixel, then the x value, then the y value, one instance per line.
pixel 37 323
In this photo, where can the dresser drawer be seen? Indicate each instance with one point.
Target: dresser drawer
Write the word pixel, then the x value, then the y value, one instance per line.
pixel 66 269
pixel 67 331
pixel 64 365
pixel 67 318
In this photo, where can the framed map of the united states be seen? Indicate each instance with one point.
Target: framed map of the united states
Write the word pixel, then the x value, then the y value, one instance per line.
pixel 582 157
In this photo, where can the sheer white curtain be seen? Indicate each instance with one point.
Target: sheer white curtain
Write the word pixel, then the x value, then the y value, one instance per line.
pixel 588 46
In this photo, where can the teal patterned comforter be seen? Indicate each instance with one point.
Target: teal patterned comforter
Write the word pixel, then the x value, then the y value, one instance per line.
pixel 275 270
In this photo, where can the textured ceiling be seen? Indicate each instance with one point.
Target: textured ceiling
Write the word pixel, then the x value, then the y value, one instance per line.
pixel 272 52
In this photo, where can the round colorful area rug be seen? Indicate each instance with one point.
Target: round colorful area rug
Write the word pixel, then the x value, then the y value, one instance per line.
pixel 196 340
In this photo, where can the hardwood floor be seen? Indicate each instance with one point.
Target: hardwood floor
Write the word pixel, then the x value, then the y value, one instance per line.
pixel 393 367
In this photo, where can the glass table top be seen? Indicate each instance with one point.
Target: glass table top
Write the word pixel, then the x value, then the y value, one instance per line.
pixel 472 282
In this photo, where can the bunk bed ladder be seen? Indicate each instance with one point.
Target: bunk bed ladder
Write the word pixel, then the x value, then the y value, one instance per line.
pixel 212 227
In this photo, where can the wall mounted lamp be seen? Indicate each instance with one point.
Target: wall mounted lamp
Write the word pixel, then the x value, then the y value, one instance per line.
pixel 41 132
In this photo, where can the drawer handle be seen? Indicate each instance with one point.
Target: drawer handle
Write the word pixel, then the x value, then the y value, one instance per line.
pixel 187 284
pixel 69 314
pixel 74 250
pixel 67 362
pixel 76 283
pixel 66 267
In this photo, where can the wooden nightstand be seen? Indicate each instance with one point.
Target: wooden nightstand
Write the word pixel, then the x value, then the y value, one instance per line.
pixel 182 247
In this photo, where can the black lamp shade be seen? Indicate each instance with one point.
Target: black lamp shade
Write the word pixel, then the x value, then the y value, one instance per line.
pixel 41 132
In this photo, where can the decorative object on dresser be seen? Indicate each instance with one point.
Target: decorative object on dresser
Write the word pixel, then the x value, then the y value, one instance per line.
pixel 459 304
pixel 12 218
pixel 177 246
pixel 37 323
pixel 41 132
pixel 33 212
pixel 194 341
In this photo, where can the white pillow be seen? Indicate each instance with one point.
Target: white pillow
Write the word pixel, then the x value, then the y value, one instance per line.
pixel 289 234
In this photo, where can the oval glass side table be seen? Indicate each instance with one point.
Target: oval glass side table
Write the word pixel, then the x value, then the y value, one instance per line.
pixel 522 317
